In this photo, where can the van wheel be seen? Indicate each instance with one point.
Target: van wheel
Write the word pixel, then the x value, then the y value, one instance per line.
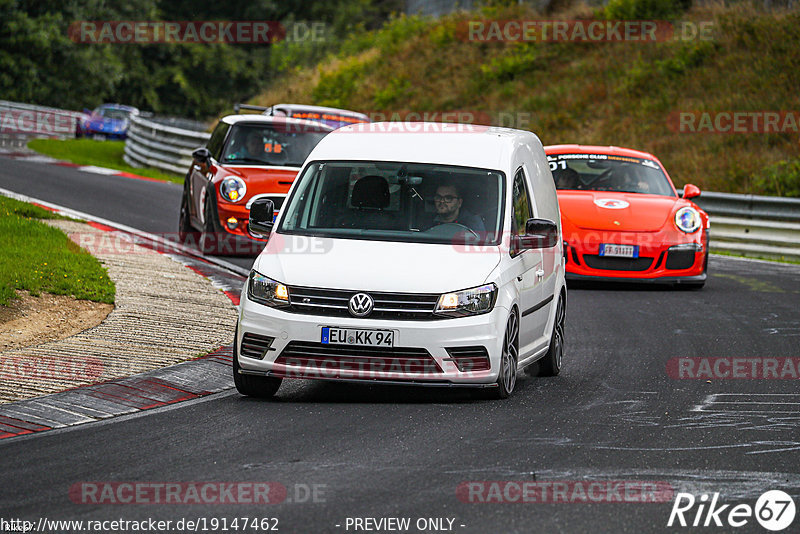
pixel 507 378
pixel 550 365
pixel 253 386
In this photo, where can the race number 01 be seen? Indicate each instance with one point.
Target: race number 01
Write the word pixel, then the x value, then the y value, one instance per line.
pixel 775 510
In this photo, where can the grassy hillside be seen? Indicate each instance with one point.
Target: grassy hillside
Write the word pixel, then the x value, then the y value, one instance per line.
pixel 620 93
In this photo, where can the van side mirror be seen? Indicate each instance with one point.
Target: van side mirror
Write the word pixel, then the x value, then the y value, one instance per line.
pixel 262 213
pixel 539 233
pixel 691 191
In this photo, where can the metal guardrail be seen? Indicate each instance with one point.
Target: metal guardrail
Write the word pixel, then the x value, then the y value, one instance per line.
pixel 750 225
pixel 164 144
pixel 23 121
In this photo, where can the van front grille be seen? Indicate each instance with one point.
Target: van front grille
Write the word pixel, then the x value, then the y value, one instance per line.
pixel 334 303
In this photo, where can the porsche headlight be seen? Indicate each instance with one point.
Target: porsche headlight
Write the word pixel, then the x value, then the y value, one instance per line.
pixel 267 291
pixel 472 301
pixel 232 189
pixel 688 219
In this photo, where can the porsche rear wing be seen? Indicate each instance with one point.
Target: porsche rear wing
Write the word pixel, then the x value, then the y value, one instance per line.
pixel 238 107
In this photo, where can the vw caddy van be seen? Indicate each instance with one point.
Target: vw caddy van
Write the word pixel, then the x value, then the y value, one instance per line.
pixel 408 253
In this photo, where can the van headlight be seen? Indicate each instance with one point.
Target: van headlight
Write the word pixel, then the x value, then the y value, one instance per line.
pixel 232 189
pixel 472 301
pixel 688 219
pixel 267 291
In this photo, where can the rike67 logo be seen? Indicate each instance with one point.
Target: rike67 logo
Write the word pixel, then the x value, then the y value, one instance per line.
pixel 774 510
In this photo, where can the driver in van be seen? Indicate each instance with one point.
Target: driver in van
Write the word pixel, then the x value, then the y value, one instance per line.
pixel 448 201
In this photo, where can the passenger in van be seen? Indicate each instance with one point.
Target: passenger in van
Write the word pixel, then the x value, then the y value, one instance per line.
pixel 448 203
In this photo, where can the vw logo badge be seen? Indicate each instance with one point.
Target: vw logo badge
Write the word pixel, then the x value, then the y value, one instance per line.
pixel 612 203
pixel 361 305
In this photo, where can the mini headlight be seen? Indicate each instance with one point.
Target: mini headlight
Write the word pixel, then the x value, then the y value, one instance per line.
pixel 472 301
pixel 233 189
pixel 267 291
pixel 688 219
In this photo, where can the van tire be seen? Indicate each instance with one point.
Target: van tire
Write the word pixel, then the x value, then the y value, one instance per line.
pixel 509 358
pixel 550 365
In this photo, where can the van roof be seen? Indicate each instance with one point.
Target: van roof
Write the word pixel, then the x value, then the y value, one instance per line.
pixel 467 145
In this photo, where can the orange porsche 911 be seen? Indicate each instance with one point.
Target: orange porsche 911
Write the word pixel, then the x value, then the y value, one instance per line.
pixel 623 220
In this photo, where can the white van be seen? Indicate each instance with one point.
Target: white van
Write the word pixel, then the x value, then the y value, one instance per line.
pixel 414 253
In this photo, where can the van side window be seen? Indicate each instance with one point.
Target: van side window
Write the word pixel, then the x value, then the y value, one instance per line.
pixel 217 138
pixel 522 204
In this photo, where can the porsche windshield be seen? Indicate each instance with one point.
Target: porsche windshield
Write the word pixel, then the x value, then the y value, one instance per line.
pixel 393 201
pixel 604 172
pixel 281 144
pixel 114 113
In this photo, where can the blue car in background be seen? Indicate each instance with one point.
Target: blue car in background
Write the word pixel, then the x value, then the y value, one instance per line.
pixel 109 121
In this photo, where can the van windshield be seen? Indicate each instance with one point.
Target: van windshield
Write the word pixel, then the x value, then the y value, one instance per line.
pixel 395 201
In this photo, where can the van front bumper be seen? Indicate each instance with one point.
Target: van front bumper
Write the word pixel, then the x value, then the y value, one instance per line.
pixel 429 352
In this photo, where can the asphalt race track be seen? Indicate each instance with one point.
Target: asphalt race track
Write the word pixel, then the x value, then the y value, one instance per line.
pixel 614 414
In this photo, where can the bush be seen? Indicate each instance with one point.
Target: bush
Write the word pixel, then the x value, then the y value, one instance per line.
pixel 781 179
pixel 645 9
pixel 336 88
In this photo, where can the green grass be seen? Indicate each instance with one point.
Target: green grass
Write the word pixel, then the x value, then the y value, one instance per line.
pixel 99 153
pixel 38 258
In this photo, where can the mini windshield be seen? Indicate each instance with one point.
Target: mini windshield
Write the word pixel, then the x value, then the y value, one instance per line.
pixel 395 201
pixel 270 144
pixel 604 172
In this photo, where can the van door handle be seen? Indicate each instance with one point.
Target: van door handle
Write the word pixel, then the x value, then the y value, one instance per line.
pixel 539 274
pixel 519 279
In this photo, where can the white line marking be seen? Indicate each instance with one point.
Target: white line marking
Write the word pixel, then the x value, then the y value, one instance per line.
pixel 98 170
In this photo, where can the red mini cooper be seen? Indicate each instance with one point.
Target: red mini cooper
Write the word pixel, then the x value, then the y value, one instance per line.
pixel 247 157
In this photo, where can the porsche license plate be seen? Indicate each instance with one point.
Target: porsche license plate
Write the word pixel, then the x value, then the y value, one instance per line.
pixel 332 335
pixel 619 251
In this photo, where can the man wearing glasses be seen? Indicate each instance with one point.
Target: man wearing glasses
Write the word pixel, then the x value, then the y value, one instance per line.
pixel 448 209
